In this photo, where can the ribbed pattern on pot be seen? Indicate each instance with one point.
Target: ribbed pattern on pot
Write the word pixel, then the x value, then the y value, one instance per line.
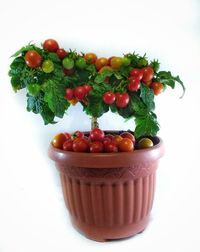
pixel 112 204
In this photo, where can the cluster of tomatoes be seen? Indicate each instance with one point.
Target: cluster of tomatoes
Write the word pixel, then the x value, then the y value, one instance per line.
pixel 79 93
pixel 96 141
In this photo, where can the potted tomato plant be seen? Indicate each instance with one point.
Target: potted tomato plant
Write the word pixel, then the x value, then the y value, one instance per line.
pixel 107 177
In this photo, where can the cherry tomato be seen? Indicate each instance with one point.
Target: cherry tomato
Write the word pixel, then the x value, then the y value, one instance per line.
pixel 101 62
pixel 109 97
pixel 47 66
pixel 109 60
pixel 136 72
pixel 34 89
pixel 80 63
pixel 79 93
pixel 106 140
pixel 126 145
pixel 68 136
pixel 110 136
pixel 80 145
pixel 117 139
pixel 78 134
pixel 96 147
pixel 104 68
pixel 59 140
pixel 69 94
pixel 134 84
pixel 68 63
pixel 68 145
pixel 97 135
pixel 33 59
pixel 126 61
pixel 147 74
pixel 87 88
pixel 145 143
pixel 122 100
pixel 50 45
pixel 157 87
pixel 110 147
pixel 128 135
pixel 61 53
pixel 90 57
pixel 116 62
pixel 68 71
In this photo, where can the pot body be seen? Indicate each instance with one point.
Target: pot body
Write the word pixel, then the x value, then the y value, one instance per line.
pixel 108 195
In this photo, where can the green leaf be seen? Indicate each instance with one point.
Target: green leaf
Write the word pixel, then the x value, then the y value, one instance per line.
pixel 54 96
pixel 146 125
pixel 96 107
pixel 102 76
pixel 138 106
pixel 147 97
pixel 155 64
pixel 54 57
pixel 27 48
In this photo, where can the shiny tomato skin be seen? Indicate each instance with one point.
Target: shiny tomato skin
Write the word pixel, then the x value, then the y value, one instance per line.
pixel 61 53
pixel 122 100
pixel 80 145
pixel 87 88
pixel 106 140
pixel 110 147
pixel 134 84
pixel 128 135
pixel 109 97
pixel 68 136
pixel 68 145
pixel 96 147
pixel 126 145
pixel 136 72
pixel 69 93
pixel 79 93
pixel 148 74
pixel 78 134
pixel 101 62
pixel 51 45
pixel 117 139
pixel 97 134
pixel 33 59
pixel 109 136
pixel 145 143
pixel 157 87
pixel 59 140
pixel 116 62
pixel 90 58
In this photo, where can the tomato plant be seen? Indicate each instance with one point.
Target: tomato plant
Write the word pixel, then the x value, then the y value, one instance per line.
pixel 68 63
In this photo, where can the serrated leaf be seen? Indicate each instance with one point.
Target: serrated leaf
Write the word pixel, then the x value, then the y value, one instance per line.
pixel 96 107
pixel 25 49
pixel 147 97
pixel 102 76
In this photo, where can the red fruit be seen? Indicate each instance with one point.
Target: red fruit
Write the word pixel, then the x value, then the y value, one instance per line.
pixel 80 145
pixel 122 100
pixel 68 71
pixel 126 145
pixel 117 139
pixel 87 88
pixel 33 59
pixel 157 87
pixel 68 136
pixel 106 140
pixel 90 58
pixel 128 135
pixel 69 94
pixel 136 72
pixel 109 136
pixel 59 140
pixel 110 147
pixel 147 74
pixel 96 147
pixel 134 84
pixel 79 93
pixel 97 135
pixel 50 45
pixel 78 134
pixel 61 53
pixel 68 145
pixel 109 97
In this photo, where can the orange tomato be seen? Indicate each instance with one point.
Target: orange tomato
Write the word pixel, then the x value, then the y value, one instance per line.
pixel 90 57
pixel 157 87
pixel 126 145
pixel 101 62
pixel 117 139
pixel 104 68
pixel 59 140
pixel 116 62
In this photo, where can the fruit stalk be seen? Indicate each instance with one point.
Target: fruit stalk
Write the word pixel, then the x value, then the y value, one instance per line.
pixel 94 123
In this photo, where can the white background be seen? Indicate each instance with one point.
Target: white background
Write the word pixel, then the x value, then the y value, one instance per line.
pixel 32 213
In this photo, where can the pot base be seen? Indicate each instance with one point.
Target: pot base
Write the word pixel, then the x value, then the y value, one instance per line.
pixel 103 234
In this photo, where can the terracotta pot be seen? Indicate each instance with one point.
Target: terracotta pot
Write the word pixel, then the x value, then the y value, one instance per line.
pixel 109 195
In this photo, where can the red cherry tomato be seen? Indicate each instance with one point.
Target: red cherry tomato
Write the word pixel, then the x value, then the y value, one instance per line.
pixel 68 71
pixel 106 140
pixel 68 145
pixel 33 59
pixel 69 94
pixel 126 145
pixel 96 147
pixel 87 88
pixel 136 72
pixel 68 136
pixel 147 74
pixel 80 145
pixel 128 135
pixel 79 93
pixel 78 134
pixel 117 139
pixel 109 97
pixel 122 100
pixel 157 87
pixel 50 45
pixel 110 147
pixel 59 140
pixel 134 84
pixel 110 136
pixel 61 53
pixel 96 135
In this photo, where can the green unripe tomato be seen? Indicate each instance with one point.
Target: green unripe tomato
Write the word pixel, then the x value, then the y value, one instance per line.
pixel 126 61
pixel 47 66
pixel 33 89
pixel 68 63
pixel 80 63
pixel 145 143
pixel 142 62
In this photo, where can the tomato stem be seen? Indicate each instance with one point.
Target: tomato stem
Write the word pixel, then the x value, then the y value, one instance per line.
pixel 94 123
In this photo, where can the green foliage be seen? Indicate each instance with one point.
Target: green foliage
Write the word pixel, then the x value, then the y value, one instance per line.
pixel 46 91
